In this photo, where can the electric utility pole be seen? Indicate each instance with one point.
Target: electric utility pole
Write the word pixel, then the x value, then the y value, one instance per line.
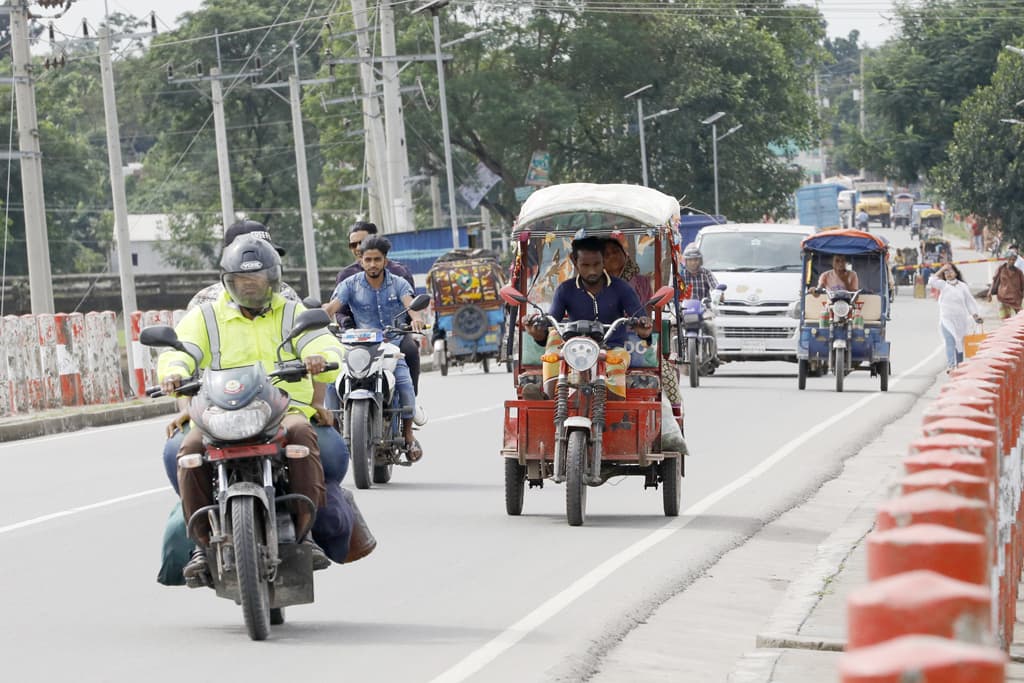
pixel 37 245
pixel 227 201
pixel 294 100
pixel 375 150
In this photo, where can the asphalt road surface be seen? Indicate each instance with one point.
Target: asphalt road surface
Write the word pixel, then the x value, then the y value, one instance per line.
pixel 456 590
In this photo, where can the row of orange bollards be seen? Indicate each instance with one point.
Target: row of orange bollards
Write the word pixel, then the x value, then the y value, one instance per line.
pixel 945 558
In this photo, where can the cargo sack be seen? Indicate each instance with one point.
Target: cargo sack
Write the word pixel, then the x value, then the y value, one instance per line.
pixel 176 550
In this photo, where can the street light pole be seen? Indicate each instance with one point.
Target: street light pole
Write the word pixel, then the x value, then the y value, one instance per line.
pixel 712 121
pixel 435 8
pixel 640 127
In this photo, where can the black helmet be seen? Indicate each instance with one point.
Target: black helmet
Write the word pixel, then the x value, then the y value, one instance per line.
pixel 245 260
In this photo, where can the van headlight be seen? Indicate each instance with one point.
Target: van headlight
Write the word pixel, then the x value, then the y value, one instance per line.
pixel 581 353
pixel 235 425
pixel 358 362
pixel 840 309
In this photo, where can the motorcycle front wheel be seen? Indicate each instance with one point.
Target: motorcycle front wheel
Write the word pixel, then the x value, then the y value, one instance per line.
pixel 362 444
pixel 246 534
pixel 694 360
pixel 840 365
pixel 575 483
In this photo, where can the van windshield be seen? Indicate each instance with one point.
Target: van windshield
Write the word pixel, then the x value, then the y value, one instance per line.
pixel 752 252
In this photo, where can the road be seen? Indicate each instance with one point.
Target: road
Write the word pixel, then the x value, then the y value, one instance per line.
pixel 456 590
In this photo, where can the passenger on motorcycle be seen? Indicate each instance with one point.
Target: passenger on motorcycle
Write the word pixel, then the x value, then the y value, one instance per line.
pixel 359 232
pixel 376 298
pixel 244 326
pixel 592 295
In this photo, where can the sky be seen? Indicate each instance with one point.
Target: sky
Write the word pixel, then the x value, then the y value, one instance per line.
pixel 867 16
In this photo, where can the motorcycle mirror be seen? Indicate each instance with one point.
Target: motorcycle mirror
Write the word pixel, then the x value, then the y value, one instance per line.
pixel 311 319
pixel 661 297
pixel 722 287
pixel 420 302
pixel 511 296
pixel 160 335
pixel 312 302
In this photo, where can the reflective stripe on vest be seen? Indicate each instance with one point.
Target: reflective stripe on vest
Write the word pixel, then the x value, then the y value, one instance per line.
pixel 212 334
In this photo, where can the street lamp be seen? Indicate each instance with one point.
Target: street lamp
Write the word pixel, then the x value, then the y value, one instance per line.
pixel 1013 122
pixel 640 125
pixel 712 121
pixel 435 7
pixel 1015 49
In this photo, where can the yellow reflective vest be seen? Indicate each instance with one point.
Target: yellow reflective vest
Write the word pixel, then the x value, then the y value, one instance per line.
pixel 225 338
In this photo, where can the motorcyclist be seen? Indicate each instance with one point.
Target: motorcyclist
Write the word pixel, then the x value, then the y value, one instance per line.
pixel 699 283
pixel 246 325
pixel 359 232
pixel 376 297
pixel 592 295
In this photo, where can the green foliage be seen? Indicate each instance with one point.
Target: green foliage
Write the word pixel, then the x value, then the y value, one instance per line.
pixel 945 49
pixel 983 172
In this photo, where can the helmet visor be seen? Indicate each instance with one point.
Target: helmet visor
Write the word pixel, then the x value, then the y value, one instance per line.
pixel 253 290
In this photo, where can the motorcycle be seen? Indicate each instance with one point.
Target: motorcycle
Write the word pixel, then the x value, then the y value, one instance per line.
pixel 256 554
pixel 701 348
pixel 371 416
pixel 838 315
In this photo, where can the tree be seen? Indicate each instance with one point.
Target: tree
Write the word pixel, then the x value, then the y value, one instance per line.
pixel 983 172
pixel 944 50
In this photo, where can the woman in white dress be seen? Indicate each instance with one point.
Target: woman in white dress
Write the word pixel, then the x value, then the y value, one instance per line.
pixel 956 309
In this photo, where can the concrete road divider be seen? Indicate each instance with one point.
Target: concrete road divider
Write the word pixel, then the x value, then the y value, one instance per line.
pixel 934 506
pixel 956 554
pixel 923 659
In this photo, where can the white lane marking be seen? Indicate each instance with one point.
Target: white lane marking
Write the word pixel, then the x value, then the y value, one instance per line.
pixel 81 432
pixel 508 638
pixel 140 494
pixel 81 508
pixel 459 416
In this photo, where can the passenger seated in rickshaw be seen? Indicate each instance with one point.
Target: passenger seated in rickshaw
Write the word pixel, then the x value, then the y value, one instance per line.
pixel 839 277
pixel 592 295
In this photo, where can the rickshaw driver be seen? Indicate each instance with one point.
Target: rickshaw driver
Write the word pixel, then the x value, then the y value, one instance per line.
pixel 592 295
pixel 839 277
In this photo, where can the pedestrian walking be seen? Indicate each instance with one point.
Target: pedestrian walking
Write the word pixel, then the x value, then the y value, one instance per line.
pixel 977 230
pixel 957 308
pixel 1008 285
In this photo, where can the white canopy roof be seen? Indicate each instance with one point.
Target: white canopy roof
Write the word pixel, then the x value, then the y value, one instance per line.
pixel 635 202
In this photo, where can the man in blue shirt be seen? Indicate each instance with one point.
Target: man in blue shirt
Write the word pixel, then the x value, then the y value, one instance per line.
pixel 594 295
pixel 376 297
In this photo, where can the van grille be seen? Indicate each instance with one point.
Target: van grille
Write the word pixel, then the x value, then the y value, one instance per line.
pixel 758 332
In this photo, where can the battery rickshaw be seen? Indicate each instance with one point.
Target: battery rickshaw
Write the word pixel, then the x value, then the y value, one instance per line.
pixel 580 436
pixel 841 330
pixel 469 315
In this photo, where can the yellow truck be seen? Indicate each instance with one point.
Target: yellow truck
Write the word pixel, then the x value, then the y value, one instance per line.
pixel 873 198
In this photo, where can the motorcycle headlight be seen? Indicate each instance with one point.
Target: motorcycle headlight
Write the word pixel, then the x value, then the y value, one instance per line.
pixel 581 353
pixel 690 318
pixel 840 309
pixel 234 425
pixel 358 362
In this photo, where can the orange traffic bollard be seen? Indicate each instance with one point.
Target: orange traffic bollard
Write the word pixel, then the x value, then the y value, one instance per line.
pixel 960 443
pixel 954 553
pixel 920 602
pixel 923 659
pixel 934 506
pixel 948 460
pixel 966 485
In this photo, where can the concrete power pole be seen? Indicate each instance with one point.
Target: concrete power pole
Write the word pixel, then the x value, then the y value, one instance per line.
pixel 302 175
pixel 121 232
pixel 394 121
pixel 863 104
pixel 821 140
pixel 37 245
pixel 381 206
pixel 227 201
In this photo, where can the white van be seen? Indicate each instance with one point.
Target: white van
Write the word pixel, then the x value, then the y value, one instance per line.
pixel 760 263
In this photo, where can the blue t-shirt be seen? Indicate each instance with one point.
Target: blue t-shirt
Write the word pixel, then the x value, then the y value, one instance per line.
pixel 616 300
pixel 373 308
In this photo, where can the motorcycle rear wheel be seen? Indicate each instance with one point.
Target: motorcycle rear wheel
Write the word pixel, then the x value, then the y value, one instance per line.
pixel 486 362
pixel 515 487
pixel 575 483
pixel 362 445
pixel 801 374
pixel 246 533
pixel 671 485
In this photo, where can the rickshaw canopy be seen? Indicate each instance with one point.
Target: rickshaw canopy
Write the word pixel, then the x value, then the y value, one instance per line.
pixel 845 242
pixel 635 204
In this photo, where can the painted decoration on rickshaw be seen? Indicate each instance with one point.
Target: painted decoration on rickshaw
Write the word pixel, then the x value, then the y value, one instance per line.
pixel 464 282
